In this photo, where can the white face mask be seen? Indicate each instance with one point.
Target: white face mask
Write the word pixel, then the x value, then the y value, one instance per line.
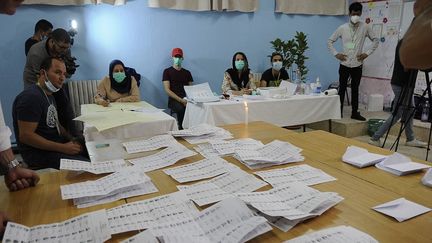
pixel 277 66
pixel 49 85
pixel 355 19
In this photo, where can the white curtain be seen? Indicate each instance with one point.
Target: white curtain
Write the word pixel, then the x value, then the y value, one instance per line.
pixel 206 5
pixel 315 7
pixel 74 2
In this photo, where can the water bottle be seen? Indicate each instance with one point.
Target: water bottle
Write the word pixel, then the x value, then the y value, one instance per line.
pixel 317 86
pixel 425 113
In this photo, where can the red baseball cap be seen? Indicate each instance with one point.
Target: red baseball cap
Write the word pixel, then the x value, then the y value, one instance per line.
pixel 177 51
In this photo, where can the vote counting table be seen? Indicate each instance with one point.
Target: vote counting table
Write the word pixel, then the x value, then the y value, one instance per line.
pixel 361 189
pixel 295 110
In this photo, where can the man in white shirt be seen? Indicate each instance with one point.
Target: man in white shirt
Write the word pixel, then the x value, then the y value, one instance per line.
pixel 353 35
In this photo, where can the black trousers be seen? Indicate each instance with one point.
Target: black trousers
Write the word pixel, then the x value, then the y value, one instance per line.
pixel 355 73
pixel 179 109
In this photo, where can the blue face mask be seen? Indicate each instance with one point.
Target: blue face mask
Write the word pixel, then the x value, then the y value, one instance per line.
pixel 119 77
pixel 239 64
pixel 277 66
pixel 177 61
pixel 50 86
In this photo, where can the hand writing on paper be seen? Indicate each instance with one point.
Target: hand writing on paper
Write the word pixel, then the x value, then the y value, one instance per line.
pixel 105 103
pixel 361 57
pixel 20 178
pixel 341 57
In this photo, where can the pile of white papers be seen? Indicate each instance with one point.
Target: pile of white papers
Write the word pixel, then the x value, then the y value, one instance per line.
pixel 164 158
pixel 222 187
pixel 360 157
pixel 207 150
pixel 90 227
pixel 399 164
pixel 199 170
pixel 227 221
pixel 147 213
pixel 130 181
pixel 92 167
pixel 401 209
pixel 299 173
pixel 218 134
pixel 294 202
pixel 156 142
pixel 335 234
pixel 274 153
pixel 427 178
pixel 231 146
pixel 200 93
pixel 194 131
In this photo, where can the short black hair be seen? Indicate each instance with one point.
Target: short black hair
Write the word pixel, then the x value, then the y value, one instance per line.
pixel 47 63
pixel 275 54
pixel 43 25
pixel 356 6
pixel 61 35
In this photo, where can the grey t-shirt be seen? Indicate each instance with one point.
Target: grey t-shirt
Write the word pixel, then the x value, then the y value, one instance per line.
pixel 35 57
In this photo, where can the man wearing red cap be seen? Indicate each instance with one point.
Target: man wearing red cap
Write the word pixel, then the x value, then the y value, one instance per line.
pixel 174 79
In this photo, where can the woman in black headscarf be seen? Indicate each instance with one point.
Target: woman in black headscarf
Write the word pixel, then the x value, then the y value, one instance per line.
pixel 238 80
pixel 119 86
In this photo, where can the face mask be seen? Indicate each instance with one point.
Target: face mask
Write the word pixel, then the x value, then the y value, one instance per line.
pixel 119 77
pixel 355 19
pixel 277 66
pixel 239 64
pixel 49 85
pixel 177 61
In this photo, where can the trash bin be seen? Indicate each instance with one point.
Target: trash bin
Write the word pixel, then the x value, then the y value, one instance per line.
pixel 373 125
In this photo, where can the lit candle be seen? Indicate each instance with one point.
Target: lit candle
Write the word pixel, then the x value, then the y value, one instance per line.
pixel 246 113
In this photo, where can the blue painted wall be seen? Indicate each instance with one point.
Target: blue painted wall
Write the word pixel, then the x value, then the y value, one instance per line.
pixel 143 38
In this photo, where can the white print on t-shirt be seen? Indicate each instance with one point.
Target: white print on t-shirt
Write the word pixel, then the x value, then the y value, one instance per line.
pixel 51 118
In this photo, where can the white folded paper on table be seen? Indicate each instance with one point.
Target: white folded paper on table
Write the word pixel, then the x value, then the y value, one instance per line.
pixel 360 157
pixel 230 146
pixel 198 130
pixel 340 234
pixel 399 164
pixel 427 178
pixel 290 87
pixel 401 209
pixel 217 134
pixel 95 168
pixel 153 143
pixel 200 93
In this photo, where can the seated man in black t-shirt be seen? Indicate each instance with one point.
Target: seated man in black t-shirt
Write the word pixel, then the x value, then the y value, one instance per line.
pixel 41 139
pixel 174 79
pixel 274 75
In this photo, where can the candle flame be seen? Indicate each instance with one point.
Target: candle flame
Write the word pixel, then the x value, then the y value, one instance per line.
pixel 245 104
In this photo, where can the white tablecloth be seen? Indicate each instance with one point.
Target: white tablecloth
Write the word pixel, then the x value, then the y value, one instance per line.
pixel 296 110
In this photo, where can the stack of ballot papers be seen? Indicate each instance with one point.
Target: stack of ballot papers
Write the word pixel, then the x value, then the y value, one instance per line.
pixel 218 134
pixel 274 153
pixel 198 130
pixel 401 209
pixel 227 221
pixel 231 146
pixel 199 170
pixel 145 214
pixel 399 164
pixel 128 182
pixel 200 93
pixel 335 234
pixel 288 205
pixel 360 157
pixel 153 143
pixel 90 227
pixel 299 173
pixel 206 150
pixel 92 167
pixel 222 187
pixel 427 178
pixel 164 158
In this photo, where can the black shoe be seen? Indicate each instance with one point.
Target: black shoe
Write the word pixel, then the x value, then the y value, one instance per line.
pixel 357 116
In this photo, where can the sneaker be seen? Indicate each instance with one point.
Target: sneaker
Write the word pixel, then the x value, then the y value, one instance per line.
pixel 357 116
pixel 416 143
pixel 375 142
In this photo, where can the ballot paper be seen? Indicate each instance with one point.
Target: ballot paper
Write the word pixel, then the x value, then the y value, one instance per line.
pixel 294 201
pixel 274 153
pixel 227 221
pixel 200 93
pixel 199 170
pixel 207 150
pixel 338 234
pixel 360 157
pixel 290 87
pixel 218 134
pixel 95 168
pixel 222 187
pixel 198 130
pixel 153 143
pixel 427 178
pixel 399 164
pixel 230 146
pixel 147 213
pixel 299 173
pixel 145 236
pixel 401 209
pixel 164 158
pixel 128 176
pixel 279 222
pixel 90 227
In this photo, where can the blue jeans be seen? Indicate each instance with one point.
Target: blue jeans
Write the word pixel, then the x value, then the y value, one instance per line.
pixel 388 123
